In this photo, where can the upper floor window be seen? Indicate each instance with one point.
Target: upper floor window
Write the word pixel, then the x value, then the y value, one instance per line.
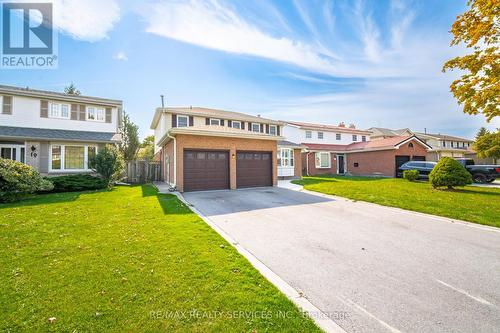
pixel 320 135
pixel 183 121
pixel 95 113
pixel 338 136
pixel 363 138
pixel 444 143
pixel 273 130
pixel 255 127
pixel 308 134
pixel 236 124
pixel 214 121
pixel 59 110
pixel 354 137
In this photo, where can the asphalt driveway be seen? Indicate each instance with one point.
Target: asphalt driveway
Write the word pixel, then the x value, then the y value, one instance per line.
pixel 371 268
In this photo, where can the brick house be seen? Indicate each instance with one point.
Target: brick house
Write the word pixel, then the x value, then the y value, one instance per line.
pixel 207 149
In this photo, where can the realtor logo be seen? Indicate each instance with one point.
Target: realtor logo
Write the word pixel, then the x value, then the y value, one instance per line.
pixel 28 38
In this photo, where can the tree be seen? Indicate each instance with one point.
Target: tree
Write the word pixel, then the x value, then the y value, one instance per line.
pixel 130 138
pixel 71 90
pixel 147 148
pixel 449 173
pixel 482 131
pixel 488 145
pixel 478 89
pixel 108 163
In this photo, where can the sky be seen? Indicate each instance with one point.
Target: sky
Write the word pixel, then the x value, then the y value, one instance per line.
pixel 373 63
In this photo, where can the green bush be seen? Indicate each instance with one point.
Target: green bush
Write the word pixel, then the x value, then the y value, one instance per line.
pixel 18 180
pixel 109 164
pixel 449 173
pixel 72 183
pixel 410 175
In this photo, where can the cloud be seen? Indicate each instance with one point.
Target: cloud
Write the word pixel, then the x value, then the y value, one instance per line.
pixel 120 56
pixel 88 20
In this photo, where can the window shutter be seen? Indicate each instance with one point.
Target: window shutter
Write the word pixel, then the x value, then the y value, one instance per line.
pixel 44 109
pixel 242 125
pixel 278 130
pixel 262 128
pixel 108 115
pixel 267 128
pixel 174 120
pixel 249 126
pixel 191 121
pixel 7 105
pixel 222 122
pixel 229 123
pixel 207 121
pixel 81 113
pixel 74 112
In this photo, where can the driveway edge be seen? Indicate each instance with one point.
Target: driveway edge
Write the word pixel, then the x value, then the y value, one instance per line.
pixel 318 316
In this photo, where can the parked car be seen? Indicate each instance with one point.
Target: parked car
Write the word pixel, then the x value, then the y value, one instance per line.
pixel 423 168
pixel 480 173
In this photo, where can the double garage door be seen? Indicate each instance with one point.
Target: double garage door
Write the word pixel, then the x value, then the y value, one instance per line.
pixel 209 169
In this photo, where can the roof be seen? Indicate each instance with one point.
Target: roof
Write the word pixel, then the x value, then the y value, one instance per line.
pixel 443 137
pixel 289 144
pixel 381 131
pixel 326 127
pixel 213 113
pixel 12 90
pixel 382 144
pixel 56 134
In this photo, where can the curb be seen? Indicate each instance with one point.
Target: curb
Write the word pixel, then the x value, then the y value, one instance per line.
pixel 318 316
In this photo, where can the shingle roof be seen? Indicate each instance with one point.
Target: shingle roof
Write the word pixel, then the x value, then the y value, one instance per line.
pixel 284 143
pixel 444 137
pixel 388 143
pixel 56 134
pixel 326 127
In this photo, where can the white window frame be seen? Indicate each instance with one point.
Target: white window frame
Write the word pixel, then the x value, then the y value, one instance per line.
pixel 258 125
pixel 338 136
pixel 63 151
pixel 184 117
pixel 97 110
pixel 363 138
pixel 58 107
pixel 286 157
pixel 318 166
pixel 308 134
pixel 275 130
pixel 214 122
pixel 236 122
pixel 18 151
pixel 354 138
pixel 321 135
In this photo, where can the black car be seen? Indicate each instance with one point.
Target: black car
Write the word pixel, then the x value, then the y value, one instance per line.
pixel 423 168
pixel 480 173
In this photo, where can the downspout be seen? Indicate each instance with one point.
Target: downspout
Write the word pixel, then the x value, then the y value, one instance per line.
pixel 174 185
pixel 307 163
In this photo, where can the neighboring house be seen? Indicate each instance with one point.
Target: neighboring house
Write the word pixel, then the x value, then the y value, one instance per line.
pixel 207 149
pixel 446 146
pixel 384 133
pixel 54 132
pixel 346 150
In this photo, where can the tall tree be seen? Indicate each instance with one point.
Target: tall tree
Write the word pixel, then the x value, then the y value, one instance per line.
pixel 488 145
pixel 147 149
pixel 72 90
pixel 130 138
pixel 482 131
pixel 478 89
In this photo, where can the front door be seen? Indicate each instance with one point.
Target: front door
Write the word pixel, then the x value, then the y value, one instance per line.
pixel 340 164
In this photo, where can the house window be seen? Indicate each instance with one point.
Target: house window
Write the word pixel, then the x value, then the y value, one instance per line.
pixel 338 136
pixel 285 156
pixel 363 138
pixel 95 113
pixel 410 145
pixel 215 122
pixel 444 143
pixel 183 121
pixel 272 130
pixel 71 157
pixel 59 110
pixel 323 160
pixel 236 124
pixel 255 127
pixel 13 152
pixel 308 134
pixel 320 135
pixel 354 137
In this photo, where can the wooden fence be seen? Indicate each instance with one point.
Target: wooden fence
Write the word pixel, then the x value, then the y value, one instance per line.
pixel 140 172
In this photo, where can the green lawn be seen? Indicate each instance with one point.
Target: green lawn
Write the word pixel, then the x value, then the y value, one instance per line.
pixel 475 204
pixel 130 260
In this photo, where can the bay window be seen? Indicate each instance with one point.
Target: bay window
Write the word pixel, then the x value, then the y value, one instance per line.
pixel 95 113
pixel 59 110
pixel 285 157
pixel 323 160
pixel 71 157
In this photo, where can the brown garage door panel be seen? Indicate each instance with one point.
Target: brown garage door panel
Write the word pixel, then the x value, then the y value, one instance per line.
pixel 254 169
pixel 206 170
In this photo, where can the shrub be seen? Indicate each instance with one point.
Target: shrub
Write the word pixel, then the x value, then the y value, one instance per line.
pixel 410 175
pixel 72 183
pixel 18 180
pixel 109 164
pixel 448 173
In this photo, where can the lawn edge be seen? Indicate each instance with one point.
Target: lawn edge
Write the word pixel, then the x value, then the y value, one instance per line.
pixel 435 217
pixel 314 313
